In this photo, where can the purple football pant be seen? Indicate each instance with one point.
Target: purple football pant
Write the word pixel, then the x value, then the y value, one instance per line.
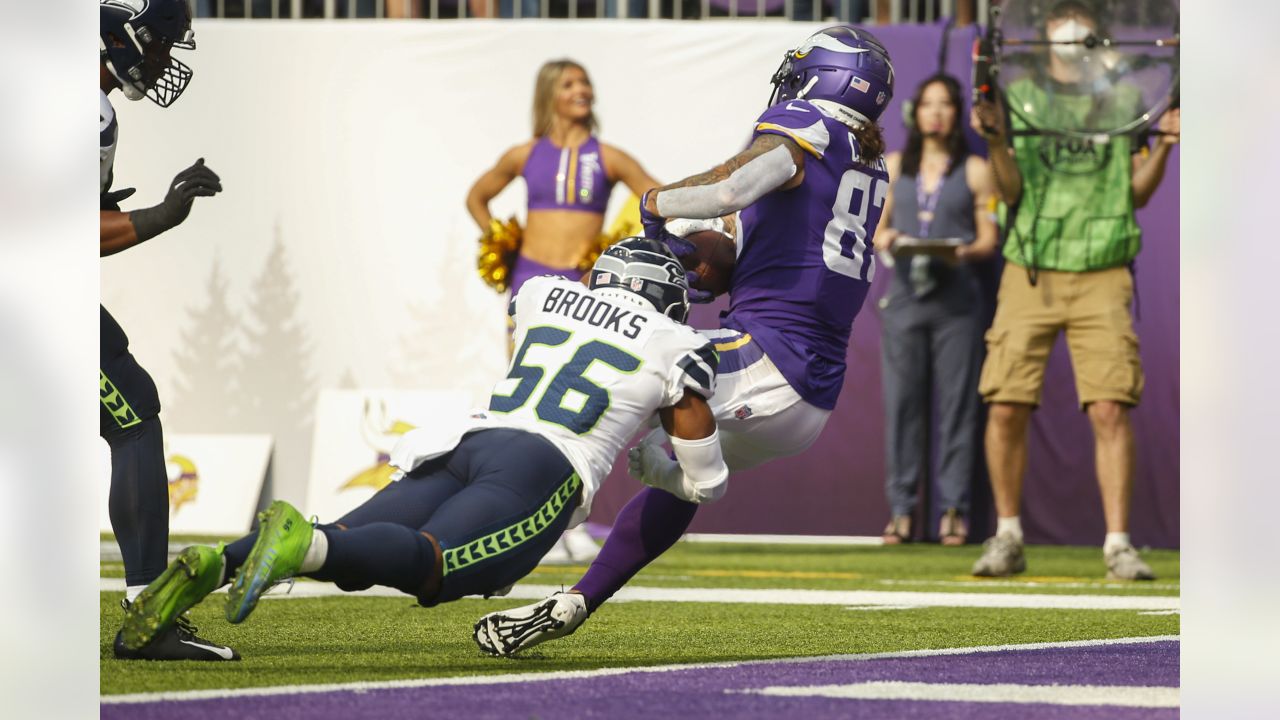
pixel 649 524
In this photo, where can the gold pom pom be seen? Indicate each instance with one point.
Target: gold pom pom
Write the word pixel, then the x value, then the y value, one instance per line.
pixel 497 254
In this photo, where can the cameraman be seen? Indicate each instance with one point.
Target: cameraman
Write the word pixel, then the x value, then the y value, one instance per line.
pixel 1069 250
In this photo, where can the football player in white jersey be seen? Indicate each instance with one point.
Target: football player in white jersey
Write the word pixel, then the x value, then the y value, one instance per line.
pixel 137 37
pixel 474 510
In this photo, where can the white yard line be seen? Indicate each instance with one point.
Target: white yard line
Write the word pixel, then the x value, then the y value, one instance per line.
pixel 1109 695
pixel 781 597
pixel 602 672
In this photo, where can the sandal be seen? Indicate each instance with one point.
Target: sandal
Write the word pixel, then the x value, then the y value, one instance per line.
pixel 953 530
pixel 898 531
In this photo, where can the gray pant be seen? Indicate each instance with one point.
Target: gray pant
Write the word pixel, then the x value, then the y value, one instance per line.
pixel 931 351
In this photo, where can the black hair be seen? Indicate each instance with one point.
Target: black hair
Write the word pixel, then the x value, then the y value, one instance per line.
pixel 957 145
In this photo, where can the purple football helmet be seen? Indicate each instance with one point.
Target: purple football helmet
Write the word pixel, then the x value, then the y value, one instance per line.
pixel 842 69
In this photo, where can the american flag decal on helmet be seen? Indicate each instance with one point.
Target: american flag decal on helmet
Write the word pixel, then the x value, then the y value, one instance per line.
pixel 859 84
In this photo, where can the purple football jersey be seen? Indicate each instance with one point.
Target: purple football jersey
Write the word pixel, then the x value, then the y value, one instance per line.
pixel 806 260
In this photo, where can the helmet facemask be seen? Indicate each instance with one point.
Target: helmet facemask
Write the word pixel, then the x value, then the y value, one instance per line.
pixel 138 52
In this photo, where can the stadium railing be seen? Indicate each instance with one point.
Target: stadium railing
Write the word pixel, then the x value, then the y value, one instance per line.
pixel 963 12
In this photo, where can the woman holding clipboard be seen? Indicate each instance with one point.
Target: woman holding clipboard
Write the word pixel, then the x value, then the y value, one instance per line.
pixel 937 218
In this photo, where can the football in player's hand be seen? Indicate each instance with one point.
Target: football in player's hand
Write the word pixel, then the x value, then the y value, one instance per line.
pixel 713 259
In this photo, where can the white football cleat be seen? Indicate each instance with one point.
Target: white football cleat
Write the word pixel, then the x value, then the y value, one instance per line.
pixel 507 632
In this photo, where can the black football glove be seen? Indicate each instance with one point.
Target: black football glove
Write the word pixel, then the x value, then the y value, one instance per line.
pixel 196 181
pixel 111 199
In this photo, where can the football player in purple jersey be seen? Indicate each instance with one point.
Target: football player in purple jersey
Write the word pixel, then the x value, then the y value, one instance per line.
pixel 807 193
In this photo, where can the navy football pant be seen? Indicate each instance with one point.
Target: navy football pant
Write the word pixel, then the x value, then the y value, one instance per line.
pixel 128 420
pixel 493 506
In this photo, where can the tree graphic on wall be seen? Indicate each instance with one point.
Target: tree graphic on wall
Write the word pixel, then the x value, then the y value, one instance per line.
pixel 205 399
pixel 426 356
pixel 276 389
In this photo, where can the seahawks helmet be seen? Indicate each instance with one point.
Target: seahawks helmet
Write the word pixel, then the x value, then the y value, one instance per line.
pixel 843 69
pixel 135 39
pixel 646 269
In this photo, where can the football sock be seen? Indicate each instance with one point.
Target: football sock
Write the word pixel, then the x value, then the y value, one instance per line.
pixel 234 555
pixel 138 502
pixel 1115 540
pixel 645 528
pixel 132 591
pixel 319 548
pixel 1010 526
pixel 380 553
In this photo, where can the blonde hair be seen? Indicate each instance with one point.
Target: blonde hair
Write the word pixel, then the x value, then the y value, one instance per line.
pixel 544 95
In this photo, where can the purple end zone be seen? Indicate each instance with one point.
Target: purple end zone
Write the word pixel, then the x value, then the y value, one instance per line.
pixel 718 692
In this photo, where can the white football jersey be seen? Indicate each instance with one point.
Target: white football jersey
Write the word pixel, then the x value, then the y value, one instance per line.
pixel 590 370
pixel 107 132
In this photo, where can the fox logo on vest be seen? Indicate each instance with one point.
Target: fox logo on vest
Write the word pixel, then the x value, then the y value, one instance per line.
pixel 1074 156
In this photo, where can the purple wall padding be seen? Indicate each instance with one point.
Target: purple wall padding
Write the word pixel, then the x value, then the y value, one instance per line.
pixel 837 487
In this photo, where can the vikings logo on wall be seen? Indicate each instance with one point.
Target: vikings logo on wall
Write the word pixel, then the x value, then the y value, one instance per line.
pixel 184 481
pixel 381 436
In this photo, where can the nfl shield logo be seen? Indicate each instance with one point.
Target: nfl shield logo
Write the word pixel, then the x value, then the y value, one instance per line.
pixel 637 284
pixel 880 98
pixel 743 412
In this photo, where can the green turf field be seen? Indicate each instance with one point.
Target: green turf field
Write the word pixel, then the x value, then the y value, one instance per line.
pixel 345 638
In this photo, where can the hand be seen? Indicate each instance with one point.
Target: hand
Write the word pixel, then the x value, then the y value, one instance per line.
pixel 111 200
pixel 648 463
pixel 987 119
pixel 655 228
pixel 650 219
pixel 196 181
pixel 884 239
pixel 1170 127
pixel 701 297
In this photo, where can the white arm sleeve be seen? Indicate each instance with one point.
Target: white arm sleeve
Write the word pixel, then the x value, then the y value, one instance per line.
pixel 705 476
pixel 743 187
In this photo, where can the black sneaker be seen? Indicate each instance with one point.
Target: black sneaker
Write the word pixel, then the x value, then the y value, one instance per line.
pixel 179 642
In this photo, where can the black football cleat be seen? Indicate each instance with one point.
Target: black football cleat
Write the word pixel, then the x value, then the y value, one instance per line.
pixel 179 642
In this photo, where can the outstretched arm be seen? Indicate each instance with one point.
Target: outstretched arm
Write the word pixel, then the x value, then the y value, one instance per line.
pixel 119 230
pixel 772 162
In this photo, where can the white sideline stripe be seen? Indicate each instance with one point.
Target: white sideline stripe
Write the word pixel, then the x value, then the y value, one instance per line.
pixel 1111 695
pixel 778 597
pixel 364 686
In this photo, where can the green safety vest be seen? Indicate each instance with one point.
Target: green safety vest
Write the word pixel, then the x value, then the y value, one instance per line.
pixel 1076 209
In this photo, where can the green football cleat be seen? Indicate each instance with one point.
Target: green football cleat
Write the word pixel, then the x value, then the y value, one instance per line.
pixel 194 574
pixel 283 538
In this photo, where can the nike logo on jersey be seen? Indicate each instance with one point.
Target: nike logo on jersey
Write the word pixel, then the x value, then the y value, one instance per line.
pixel 797 108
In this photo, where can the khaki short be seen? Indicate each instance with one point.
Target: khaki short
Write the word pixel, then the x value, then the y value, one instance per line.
pixel 1093 309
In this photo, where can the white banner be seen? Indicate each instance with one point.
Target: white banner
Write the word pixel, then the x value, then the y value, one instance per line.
pixel 214 482
pixel 355 431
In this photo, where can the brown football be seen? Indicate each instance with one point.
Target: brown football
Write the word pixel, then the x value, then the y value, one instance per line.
pixel 713 260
